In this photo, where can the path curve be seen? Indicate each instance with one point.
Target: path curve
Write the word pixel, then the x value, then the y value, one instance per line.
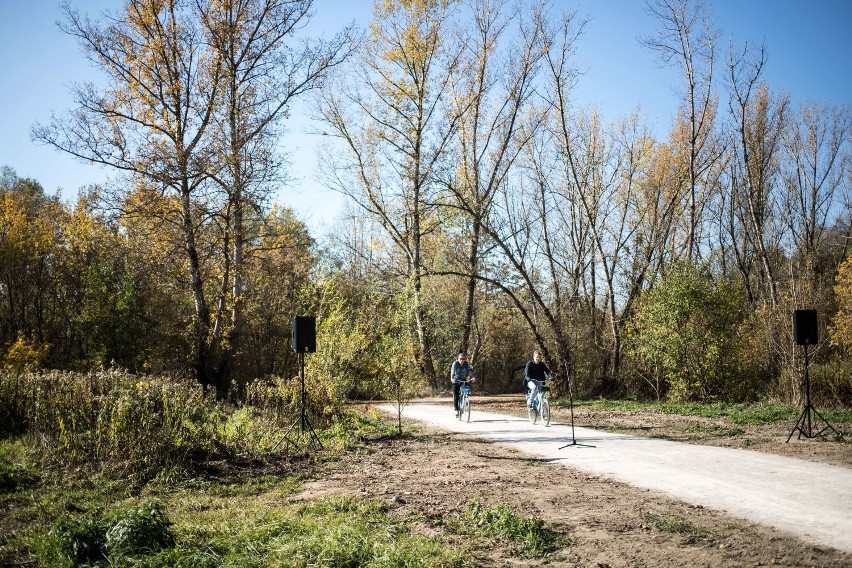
pixel 809 500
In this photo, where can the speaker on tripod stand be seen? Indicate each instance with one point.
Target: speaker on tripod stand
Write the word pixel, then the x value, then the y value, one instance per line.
pixel 303 339
pixel 806 332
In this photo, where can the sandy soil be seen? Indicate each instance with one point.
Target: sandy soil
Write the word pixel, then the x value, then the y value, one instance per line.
pixel 433 474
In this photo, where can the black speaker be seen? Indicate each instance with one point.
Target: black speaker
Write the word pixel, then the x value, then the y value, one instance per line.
pixel 805 327
pixel 303 334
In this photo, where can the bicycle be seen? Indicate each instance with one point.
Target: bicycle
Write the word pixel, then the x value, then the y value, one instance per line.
pixel 540 405
pixel 463 411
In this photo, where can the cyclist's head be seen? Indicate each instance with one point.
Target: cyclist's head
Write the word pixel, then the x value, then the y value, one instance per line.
pixel 536 355
pixel 462 358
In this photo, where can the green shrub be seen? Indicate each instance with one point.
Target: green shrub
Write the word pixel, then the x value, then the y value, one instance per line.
pixel 141 529
pixel 14 477
pixel 123 533
pixel 684 335
pixel 77 539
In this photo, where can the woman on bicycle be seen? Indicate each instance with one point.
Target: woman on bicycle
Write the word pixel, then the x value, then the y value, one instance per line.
pixel 534 375
pixel 458 375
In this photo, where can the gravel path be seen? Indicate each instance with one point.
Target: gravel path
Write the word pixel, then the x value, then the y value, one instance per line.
pixel 808 500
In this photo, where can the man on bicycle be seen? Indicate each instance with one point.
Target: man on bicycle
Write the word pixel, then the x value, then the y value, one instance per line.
pixel 458 375
pixel 534 375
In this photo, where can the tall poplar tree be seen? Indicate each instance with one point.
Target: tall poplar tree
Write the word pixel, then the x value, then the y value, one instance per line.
pixel 390 114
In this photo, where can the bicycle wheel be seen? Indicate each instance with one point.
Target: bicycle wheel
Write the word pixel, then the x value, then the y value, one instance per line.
pixel 466 409
pixel 545 411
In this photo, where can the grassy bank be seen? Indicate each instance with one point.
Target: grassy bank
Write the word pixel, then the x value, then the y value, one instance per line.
pixel 109 469
pixel 737 413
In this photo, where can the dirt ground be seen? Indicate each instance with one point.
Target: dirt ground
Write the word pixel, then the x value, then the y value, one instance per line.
pixel 434 474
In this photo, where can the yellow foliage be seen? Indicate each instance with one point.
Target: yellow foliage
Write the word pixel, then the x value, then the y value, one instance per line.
pixel 25 355
pixel 840 328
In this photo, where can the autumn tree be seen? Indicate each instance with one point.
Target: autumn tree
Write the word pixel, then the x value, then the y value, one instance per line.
pixel 150 121
pixel 31 239
pixel 390 115
pixel 180 76
pixel 263 70
pixel 687 40
pixel 840 328
pixel 759 119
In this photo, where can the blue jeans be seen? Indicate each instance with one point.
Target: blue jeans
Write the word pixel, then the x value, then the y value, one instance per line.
pixel 533 386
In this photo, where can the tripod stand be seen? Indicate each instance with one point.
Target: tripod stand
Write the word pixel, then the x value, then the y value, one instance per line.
pixel 805 424
pixel 313 441
pixel 574 442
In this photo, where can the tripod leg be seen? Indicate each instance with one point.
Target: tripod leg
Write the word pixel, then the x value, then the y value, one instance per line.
pixel 798 426
pixel 286 436
pixel 828 426
pixel 313 438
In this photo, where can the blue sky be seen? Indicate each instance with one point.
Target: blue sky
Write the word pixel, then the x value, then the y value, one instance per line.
pixel 808 44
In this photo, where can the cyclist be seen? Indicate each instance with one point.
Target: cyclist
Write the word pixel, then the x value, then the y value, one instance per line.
pixel 459 372
pixel 534 375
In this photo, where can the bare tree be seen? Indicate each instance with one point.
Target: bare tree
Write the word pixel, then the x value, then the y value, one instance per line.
pixel 687 40
pixel 817 158
pixel 759 121
pixel 493 88
pixel 518 216
pixel 390 114
pixel 262 73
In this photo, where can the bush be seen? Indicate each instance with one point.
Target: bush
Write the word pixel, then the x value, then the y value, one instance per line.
pixel 14 477
pixel 24 355
pixel 125 532
pixel 78 539
pixel 142 529
pixel 684 335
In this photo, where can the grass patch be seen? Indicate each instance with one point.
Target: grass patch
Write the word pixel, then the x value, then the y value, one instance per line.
pixel 673 525
pixel 500 522
pixel 217 514
pixel 15 473
pixel 251 524
pixel 336 531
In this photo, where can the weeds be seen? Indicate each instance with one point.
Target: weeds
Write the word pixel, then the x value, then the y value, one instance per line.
pixel 672 524
pixel 145 427
pixel 502 523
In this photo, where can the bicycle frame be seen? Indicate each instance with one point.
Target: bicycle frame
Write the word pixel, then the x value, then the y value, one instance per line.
pixel 540 405
pixel 464 400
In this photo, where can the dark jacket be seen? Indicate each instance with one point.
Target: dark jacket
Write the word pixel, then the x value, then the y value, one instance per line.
pixel 535 371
